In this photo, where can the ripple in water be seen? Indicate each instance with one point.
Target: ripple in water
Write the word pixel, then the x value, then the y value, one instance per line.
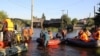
pixel 59 50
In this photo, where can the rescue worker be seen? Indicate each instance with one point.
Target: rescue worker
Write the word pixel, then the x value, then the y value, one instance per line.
pixel 50 34
pixel 80 32
pixel 42 36
pixel 18 38
pixel 84 36
pixel 88 33
pixel 58 35
pixel 97 34
pixel 25 34
pixel 8 31
pixel 42 33
pixel 30 33
pixel 46 39
pixel 63 32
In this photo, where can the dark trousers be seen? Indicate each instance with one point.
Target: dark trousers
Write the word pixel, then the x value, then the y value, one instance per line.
pixel 63 35
pixel 8 38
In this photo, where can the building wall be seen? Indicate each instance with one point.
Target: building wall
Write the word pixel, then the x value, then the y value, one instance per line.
pixel 38 22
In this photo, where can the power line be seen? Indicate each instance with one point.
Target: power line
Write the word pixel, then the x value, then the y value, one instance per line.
pixel 18 4
pixel 62 11
pixel 94 11
pixel 32 13
pixel 75 3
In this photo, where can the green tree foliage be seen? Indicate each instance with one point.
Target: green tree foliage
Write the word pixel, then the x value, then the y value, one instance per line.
pixel 21 23
pixel 90 22
pixel 43 16
pixel 97 18
pixel 18 22
pixel 3 15
pixel 65 20
pixel 74 21
pixel 28 22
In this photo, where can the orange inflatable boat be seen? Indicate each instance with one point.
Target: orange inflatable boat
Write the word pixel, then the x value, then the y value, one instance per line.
pixel 51 42
pixel 54 42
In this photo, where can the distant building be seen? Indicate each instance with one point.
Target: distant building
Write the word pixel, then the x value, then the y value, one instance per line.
pixel 52 23
pixel 46 23
pixel 82 22
pixel 38 22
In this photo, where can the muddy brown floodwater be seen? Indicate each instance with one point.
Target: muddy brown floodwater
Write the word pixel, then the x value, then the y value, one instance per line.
pixel 59 50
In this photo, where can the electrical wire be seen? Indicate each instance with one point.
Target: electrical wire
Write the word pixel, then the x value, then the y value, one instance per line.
pixel 18 4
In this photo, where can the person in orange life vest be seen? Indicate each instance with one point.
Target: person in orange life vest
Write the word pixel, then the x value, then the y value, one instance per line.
pixel 94 33
pixel 8 31
pixel 30 30
pixel 88 33
pixel 80 32
pixel 25 34
pixel 50 34
pixel 97 34
pixel 84 37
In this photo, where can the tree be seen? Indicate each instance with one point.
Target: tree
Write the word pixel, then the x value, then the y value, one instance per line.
pixel 74 21
pixel 90 22
pixel 65 20
pixel 21 23
pixel 97 18
pixel 43 16
pixel 3 15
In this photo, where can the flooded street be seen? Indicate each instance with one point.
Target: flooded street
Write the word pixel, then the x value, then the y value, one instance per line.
pixel 60 50
pixel 20 19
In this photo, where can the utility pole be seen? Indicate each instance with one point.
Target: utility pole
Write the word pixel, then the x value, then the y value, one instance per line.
pixel 32 13
pixel 62 12
pixel 89 15
pixel 94 11
pixel 67 12
pixel 62 18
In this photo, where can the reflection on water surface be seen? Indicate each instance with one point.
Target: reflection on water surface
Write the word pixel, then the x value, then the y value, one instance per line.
pixel 60 50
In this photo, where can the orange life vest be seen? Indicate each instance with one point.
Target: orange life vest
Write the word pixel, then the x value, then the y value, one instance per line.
pixel 97 35
pixel 25 32
pixel 30 32
pixel 80 32
pixel 88 33
pixel 84 37
pixel 1 44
